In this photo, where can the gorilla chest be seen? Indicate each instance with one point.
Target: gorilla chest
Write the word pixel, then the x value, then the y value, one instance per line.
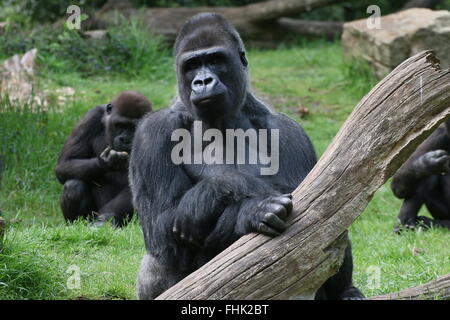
pixel 200 171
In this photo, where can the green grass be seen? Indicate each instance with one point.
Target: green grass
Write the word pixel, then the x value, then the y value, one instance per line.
pixel 39 248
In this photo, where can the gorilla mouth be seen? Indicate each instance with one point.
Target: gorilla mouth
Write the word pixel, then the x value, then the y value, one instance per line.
pixel 202 101
pixel 122 148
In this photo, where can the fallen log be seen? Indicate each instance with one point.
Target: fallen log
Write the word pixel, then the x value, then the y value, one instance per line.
pixel 421 4
pixel 436 289
pixel 379 135
pixel 327 29
pixel 255 22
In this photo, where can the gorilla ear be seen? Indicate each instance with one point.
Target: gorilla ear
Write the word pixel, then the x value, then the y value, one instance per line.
pixel 109 108
pixel 243 58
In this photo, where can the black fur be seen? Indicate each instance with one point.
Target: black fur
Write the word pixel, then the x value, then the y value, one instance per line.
pixel 424 179
pixel 93 164
pixel 189 213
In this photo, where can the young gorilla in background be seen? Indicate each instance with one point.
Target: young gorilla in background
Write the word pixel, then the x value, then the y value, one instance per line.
pixel 191 212
pixel 93 164
pixel 424 179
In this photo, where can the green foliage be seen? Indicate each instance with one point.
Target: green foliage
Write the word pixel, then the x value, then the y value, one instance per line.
pixel 128 50
pixel 46 11
pixel 26 272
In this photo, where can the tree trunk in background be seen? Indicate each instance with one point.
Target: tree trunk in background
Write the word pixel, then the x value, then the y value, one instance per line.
pixel 257 23
pixel 380 134
pixel 436 289
pixel 421 4
pixel 327 29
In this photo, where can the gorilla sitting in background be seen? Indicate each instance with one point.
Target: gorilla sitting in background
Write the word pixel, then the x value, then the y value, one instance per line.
pixel 189 212
pixel 425 179
pixel 93 164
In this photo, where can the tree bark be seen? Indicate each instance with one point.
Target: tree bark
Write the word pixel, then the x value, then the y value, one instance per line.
pixel 383 130
pixel 421 4
pixel 328 29
pixel 436 289
pixel 255 22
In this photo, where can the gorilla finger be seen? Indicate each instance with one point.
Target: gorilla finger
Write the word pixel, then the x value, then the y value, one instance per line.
pixel 274 221
pixel 176 227
pixel 105 154
pixel 285 202
pixel 175 231
pixel 266 230
pixel 438 153
pixel 183 236
pixel 195 242
pixel 277 209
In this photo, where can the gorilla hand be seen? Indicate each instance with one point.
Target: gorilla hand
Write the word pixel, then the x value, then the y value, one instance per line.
pixel 270 214
pixel 190 229
pixel 433 162
pixel 413 223
pixel 113 160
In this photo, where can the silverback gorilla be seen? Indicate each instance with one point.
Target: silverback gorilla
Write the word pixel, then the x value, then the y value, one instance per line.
pixel 191 211
pixel 424 179
pixel 93 163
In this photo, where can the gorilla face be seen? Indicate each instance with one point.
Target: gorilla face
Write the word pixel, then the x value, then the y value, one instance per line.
pixel 212 80
pixel 119 129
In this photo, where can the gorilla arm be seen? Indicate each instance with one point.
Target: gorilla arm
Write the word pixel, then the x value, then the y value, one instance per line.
pixel 429 158
pixel 157 184
pixel 272 203
pixel 77 159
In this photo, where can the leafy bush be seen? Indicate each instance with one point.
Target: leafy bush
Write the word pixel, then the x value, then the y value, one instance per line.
pixel 128 50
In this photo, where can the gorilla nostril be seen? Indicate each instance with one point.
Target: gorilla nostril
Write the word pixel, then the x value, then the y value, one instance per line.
pixel 198 82
pixel 207 81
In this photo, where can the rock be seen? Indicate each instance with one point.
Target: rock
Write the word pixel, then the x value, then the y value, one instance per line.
pixel 402 35
pixel 17 77
pixel 18 83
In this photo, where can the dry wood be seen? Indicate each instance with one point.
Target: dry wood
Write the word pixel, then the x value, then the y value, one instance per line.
pixel 383 130
pixel 313 28
pixel 436 289
pixel 255 22
pixel 421 4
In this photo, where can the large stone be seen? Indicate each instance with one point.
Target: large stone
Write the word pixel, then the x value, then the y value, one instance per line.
pixel 17 77
pixel 401 35
pixel 19 85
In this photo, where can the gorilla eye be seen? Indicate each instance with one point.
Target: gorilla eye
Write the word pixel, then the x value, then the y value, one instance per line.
pixel 216 59
pixel 243 58
pixel 192 64
pixel 108 108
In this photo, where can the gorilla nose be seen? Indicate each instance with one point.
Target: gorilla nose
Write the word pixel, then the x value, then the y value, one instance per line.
pixel 203 82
